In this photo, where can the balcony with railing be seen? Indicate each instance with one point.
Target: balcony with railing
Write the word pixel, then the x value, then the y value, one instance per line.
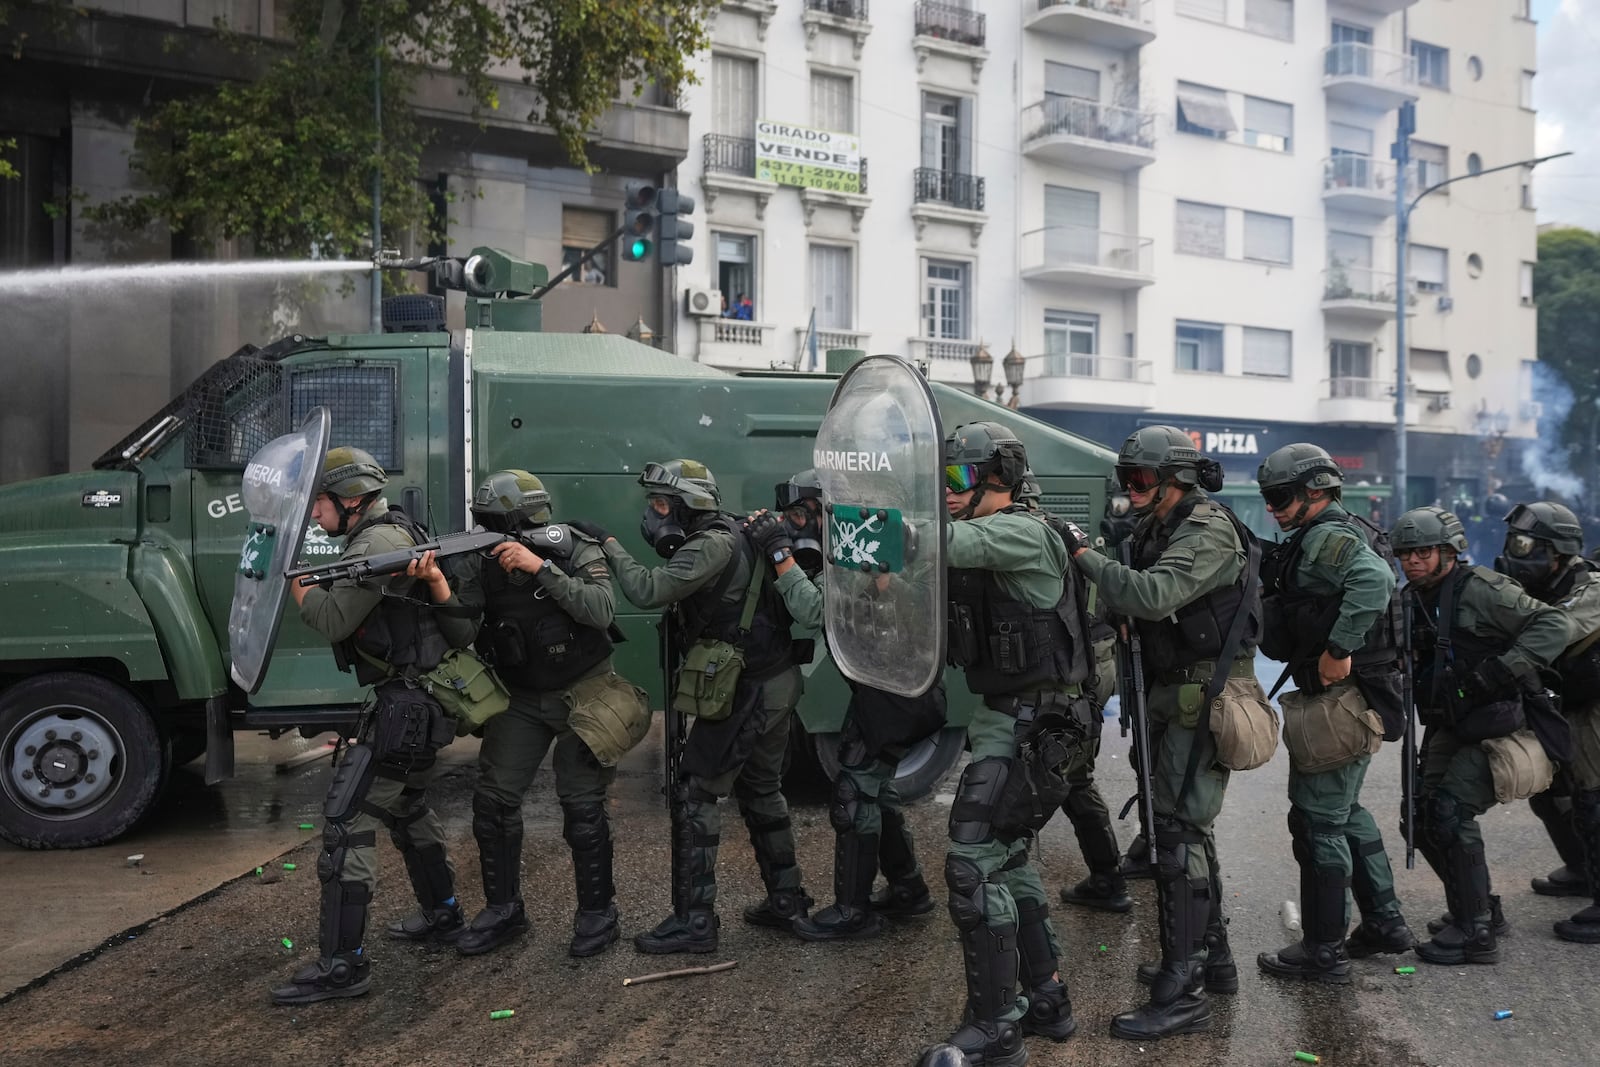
pixel 935 186
pixel 1360 184
pixel 737 344
pixel 1120 24
pixel 1362 401
pixel 842 16
pixel 1077 255
pixel 1367 77
pixel 1351 291
pixel 826 341
pixel 729 155
pixel 1075 132
pixel 1102 383
pixel 948 22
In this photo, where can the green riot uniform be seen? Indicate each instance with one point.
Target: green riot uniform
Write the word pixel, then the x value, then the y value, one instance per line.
pixel 1326 567
pixel 1498 638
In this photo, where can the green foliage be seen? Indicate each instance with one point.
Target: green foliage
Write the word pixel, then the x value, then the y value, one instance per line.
pixel 8 169
pixel 286 160
pixel 1566 287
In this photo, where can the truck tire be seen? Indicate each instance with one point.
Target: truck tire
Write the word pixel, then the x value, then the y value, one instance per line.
pixel 80 761
pixel 923 768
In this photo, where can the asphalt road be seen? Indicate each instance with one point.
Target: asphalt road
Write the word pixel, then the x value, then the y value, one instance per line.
pixel 191 987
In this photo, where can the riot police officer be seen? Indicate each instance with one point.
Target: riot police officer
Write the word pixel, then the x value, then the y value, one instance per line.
pixel 1544 553
pixel 1496 638
pixel 722 592
pixel 1018 631
pixel 1330 615
pixel 869 826
pixel 388 630
pixel 547 626
pixel 1193 595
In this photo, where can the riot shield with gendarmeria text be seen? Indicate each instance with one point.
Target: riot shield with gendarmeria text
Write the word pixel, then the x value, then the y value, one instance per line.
pixel 879 456
pixel 280 486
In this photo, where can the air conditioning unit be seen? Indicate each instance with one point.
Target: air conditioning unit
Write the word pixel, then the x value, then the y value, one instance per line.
pixel 1446 304
pixel 703 301
pixel 1439 402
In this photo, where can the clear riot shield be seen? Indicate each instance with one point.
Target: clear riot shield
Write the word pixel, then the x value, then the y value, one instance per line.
pixel 879 456
pixel 280 486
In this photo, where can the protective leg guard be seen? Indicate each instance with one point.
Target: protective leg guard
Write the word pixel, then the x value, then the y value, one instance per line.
pixel 772 837
pixel 498 828
pixel 693 924
pixel 1558 813
pixel 588 835
pixel 1049 1006
pixel 342 970
pixel 431 880
pixel 1584 927
pixel 855 861
pixel 1383 929
pixel 1221 972
pixel 906 896
pixel 990 959
pixel 1177 1005
pixel 1320 955
pixel 1105 889
pixel 1470 938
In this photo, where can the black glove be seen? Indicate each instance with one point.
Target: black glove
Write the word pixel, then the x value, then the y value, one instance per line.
pixel 593 529
pixel 1491 681
pixel 1073 534
pixel 771 533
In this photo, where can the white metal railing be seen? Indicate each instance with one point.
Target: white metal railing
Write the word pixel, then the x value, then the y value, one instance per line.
pixel 1079 246
pixel 1348 281
pixel 1105 368
pixel 1089 119
pixel 827 339
pixel 1350 59
pixel 739 332
pixel 1363 389
pixel 931 348
pixel 1357 174
pixel 1133 10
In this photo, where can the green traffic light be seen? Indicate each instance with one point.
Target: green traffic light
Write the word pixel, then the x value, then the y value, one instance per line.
pixel 639 249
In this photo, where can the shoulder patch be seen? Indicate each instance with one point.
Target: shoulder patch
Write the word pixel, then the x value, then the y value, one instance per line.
pixel 1204 512
pixel 1338 546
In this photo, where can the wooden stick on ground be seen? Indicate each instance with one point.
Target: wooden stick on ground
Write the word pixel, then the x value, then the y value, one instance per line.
pixel 660 975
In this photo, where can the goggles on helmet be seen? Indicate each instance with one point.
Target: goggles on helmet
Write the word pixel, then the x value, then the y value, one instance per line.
pixel 962 477
pixel 657 475
pixel 1278 497
pixel 790 495
pixel 1138 479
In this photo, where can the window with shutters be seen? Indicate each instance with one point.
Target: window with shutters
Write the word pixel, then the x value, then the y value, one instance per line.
pixel 1071 344
pixel 1072 225
pixel 1205 111
pixel 1430 268
pixel 1064 79
pixel 1268 124
pixel 581 230
pixel 1268 353
pixel 1201 229
pixel 947 133
pixel 945 300
pixel 734 97
pixel 1433 65
pixel 1350 367
pixel 1349 249
pixel 1273 18
pixel 736 274
pixel 1199 347
pixel 1268 238
pixel 833 105
pixel 1432 162
pixel 1429 371
pixel 832 287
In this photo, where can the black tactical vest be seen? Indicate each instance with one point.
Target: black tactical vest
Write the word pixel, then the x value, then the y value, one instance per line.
pixel 1296 622
pixel 716 609
pixel 1196 631
pixel 536 644
pixel 1008 646
pixel 1466 648
pixel 401 631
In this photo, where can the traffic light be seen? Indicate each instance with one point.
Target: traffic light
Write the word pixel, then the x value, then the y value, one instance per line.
pixel 639 221
pixel 675 231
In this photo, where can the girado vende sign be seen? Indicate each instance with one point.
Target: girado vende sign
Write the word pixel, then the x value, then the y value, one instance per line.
pixel 810 159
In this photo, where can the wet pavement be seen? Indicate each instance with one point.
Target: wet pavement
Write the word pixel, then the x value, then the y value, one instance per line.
pixel 191 987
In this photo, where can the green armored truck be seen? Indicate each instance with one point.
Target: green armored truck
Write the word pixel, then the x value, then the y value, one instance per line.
pixel 117 581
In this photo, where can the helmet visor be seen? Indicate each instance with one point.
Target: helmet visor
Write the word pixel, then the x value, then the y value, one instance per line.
pixel 790 495
pixel 1278 497
pixel 655 477
pixel 1138 479
pixel 962 477
pixel 1520 545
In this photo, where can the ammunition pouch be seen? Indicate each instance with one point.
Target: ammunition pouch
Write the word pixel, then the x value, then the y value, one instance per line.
pixel 1330 729
pixel 465 688
pixel 609 714
pixel 708 680
pixel 1520 767
pixel 1037 784
pixel 410 728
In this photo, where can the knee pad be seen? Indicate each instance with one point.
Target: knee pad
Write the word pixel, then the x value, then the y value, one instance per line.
pixel 1441 818
pixel 972 814
pixel 966 884
pixel 337 841
pixel 846 802
pixel 351 780
pixel 585 826
pixel 400 825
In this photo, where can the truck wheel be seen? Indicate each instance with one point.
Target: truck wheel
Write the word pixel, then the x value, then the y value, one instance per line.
pixel 923 768
pixel 80 761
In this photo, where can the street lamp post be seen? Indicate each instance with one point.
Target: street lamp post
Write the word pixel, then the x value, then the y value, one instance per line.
pixel 1401 152
pixel 1013 367
pixel 982 370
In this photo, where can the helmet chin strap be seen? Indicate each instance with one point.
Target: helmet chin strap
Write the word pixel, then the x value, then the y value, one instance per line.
pixel 346 514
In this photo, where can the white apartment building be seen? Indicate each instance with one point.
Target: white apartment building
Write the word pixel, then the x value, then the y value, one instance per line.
pixel 1173 210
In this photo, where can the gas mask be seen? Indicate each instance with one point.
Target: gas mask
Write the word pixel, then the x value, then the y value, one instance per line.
pixel 806 535
pixel 664 533
pixel 1526 560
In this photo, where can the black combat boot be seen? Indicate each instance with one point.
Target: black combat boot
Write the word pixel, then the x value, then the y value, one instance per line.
pixel 1107 891
pixel 440 919
pixel 1221 973
pixel 1376 934
pixel 1375 937
pixel 1470 938
pixel 342 970
pixel 1559 816
pixel 588 835
pixel 1320 955
pixel 906 895
pixel 1584 927
pixel 1049 1008
pixel 772 837
pixel 855 862
pixel 1497 918
pixel 498 829
pixel 693 924
pixel 1136 864
pixel 990 957
pixel 1105 888
pixel 1177 1005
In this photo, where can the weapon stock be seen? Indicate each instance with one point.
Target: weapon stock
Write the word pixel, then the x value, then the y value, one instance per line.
pixel 1133 707
pixel 397 561
pixel 1408 745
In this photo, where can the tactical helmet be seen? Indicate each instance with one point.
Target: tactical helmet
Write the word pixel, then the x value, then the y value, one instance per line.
pixel 803 486
pixel 611 721
pixel 1548 521
pixel 1300 464
pixel 349 472
pixel 685 479
pixel 510 499
pixel 1167 449
pixel 1427 527
pixel 1029 491
pixel 991 448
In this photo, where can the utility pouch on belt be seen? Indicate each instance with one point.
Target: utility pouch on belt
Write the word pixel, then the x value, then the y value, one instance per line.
pixel 1244 726
pixel 1037 784
pixel 411 726
pixel 1484 722
pixel 709 677
pixel 466 688
pixel 1329 729
pixel 963 636
pixel 1519 765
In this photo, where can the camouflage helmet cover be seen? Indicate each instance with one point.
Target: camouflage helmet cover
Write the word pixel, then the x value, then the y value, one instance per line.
pixel 512 498
pixel 1549 521
pixel 1427 527
pixel 988 445
pixel 688 480
pixel 1300 464
pixel 350 472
